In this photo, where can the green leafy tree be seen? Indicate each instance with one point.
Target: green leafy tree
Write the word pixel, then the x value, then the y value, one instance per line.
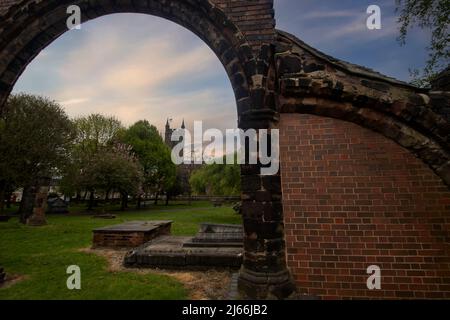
pixel 178 187
pixel 433 15
pixel 95 134
pixel 154 156
pixel 113 170
pixel 96 131
pixel 217 180
pixel 35 138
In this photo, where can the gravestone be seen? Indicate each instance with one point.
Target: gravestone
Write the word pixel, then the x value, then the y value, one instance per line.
pixel 57 206
pixel 217 235
pixel 214 246
pixel 130 234
pixel 170 252
pixel 40 204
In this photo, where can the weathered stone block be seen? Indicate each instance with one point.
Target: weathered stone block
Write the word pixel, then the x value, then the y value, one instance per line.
pixel 182 252
pixel 131 234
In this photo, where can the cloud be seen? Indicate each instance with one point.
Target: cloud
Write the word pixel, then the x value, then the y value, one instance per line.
pixel 114 67
pixel 356 30
pixel 331 27
pixel 73 101
pixel 329 14
pixel 137 66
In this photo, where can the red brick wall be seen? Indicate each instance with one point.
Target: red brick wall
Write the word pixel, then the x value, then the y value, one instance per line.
pixel 255 18
pixel 353 198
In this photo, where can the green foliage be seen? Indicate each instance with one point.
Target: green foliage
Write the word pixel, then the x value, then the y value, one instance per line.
pixel 96 131
pixel 422 79
pixel 154 156
pixel 35 138
pixel 427 14
pixel 217 180
pixel 97 162
pixel 115 169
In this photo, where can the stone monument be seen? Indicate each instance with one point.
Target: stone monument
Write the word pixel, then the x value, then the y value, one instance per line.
pixel 40 204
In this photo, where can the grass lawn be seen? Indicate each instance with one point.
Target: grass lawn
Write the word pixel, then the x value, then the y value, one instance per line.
pixel 42 255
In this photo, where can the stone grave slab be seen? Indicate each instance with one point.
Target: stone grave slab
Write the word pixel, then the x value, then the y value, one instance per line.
pixel 217 235
pixel 215 245
pixel 170 252
pixel 130 234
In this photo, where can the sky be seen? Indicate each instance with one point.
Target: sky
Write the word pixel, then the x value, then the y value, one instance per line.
pixel 135 66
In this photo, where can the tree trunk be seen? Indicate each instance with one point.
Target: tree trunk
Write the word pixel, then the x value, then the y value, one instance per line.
pixel 27 203
pixel 156 198
pixel 106 197
pixel 124 205
pixel 139 202
pixel 8 198
pixel 78 197
pixel 167 198
pixel 2 195
pixel 91 201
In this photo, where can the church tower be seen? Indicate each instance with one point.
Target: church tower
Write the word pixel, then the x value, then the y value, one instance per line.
pixel 168 134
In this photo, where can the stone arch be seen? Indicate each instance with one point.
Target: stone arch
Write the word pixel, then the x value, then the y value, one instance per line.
pixel 243 43
pixel 312 83
pixel 30 26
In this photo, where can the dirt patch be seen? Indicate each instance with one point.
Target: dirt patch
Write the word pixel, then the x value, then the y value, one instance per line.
pixel 12 279
pixel 202 285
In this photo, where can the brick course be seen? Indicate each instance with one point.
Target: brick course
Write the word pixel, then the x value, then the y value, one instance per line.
pixel 353 198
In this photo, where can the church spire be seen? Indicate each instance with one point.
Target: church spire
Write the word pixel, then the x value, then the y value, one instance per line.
pixel 183 125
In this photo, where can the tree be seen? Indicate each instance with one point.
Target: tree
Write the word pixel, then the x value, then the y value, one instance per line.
pixel 154 156
pixel 177 187
pixel 217 180
pixel 95 134
pixel 95 131
pixel 35 136
pixel 434 15
pixel 115 169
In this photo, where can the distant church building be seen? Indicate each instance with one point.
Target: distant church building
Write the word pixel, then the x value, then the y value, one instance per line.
pixel 184 171
pixel 168 134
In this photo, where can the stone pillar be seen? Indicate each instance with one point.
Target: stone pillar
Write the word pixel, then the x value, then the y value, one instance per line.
pixel 264 274
pixel 40 204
